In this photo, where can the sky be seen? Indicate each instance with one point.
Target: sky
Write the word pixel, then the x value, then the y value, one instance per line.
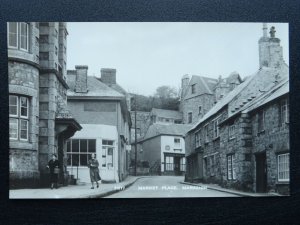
pixel 149 55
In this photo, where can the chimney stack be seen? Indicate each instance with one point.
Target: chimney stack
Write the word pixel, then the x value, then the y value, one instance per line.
pixel 81 79
pixel 108 76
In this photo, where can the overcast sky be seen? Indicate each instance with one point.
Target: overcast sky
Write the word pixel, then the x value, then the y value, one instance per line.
pixel 148 55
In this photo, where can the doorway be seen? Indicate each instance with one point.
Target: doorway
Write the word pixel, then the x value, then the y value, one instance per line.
pixel 261 172
pixel 177 166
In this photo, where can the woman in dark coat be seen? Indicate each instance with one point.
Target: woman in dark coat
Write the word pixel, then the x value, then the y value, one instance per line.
pixel 53 166
pixel 93 164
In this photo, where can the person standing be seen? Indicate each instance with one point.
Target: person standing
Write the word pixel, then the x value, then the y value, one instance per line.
pixel 93 164
pixel 54 170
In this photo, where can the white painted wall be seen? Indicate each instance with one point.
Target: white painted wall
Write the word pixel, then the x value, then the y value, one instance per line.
pixel 169 141
pixel 98 132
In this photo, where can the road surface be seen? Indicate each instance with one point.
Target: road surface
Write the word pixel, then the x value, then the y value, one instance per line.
pixel 164 187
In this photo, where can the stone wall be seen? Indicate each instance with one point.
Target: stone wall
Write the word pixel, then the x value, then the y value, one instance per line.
pixel 273 141
pixel 206 101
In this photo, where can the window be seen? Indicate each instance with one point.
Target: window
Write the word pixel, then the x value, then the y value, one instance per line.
pixel 65 50
pixel 44 38
pixel 261 121
pixel 284 112
pixel 182 164
pixel 231 131
pixel 190 117
pixel 79 151
pixel 216 127
pixel 231 173
pixel 206 133
pixel 200 108
pixel 197 139
pixel 283 167
pixel 193 88
pixel 177 142
pixel 107 153
pixel 18 117
pixel 18 35
pixel 13 34
pixel 169 163
pixel 55 50
pixel 24 36
pixel 56 33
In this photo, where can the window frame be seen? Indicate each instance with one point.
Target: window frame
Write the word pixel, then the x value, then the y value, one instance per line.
pixel 19 118
pixel 231 131
pixel 230 162
pixel 284 112
pixel 216 128
pixel 287 171
pixel 27 36
pixel 190 117
pixel 206 136
pixel 79 153
pixel 198 138
pixel 17 35
pixel 261 121
pixel 193 89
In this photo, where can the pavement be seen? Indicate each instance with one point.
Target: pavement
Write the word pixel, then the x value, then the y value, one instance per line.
pixel 231 191
pixel 82 190
pixel 135 187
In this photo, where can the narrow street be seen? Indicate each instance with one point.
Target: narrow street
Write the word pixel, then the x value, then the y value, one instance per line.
pixel 164 187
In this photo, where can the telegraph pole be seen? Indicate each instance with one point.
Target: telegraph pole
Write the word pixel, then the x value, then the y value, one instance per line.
pixel 135 144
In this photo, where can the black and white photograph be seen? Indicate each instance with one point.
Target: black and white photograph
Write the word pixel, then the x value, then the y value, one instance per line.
pixel 148 109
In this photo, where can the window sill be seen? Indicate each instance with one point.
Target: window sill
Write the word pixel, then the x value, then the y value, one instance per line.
pixel 282 182
pixel 232 138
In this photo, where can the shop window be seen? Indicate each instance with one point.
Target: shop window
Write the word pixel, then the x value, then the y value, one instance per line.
pixel 283 167
pixel 18 117
pixel 79 151
pixel 169 161
pixel 107 153
pixel 231 170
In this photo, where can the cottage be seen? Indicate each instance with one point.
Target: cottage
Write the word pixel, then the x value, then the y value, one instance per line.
pixel 243 141
pixel 101 107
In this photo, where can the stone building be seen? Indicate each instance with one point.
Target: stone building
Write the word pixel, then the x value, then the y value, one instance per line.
pixel 101 107
pixel 243 141
pixel 199 94
pixel 39 120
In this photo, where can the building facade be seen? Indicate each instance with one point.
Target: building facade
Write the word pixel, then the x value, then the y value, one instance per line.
pixel 164 148
pixel 38 117
pixel 199 94
pixel 243 141
pixel 100 105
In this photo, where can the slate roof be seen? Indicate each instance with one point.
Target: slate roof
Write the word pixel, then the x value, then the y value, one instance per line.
pixel 95 89
pixel 204 85
pixel 166 129
pixel 238 98
pixel 166 113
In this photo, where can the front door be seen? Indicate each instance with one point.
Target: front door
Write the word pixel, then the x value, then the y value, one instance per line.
pixel 177 166
pixel 261 172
